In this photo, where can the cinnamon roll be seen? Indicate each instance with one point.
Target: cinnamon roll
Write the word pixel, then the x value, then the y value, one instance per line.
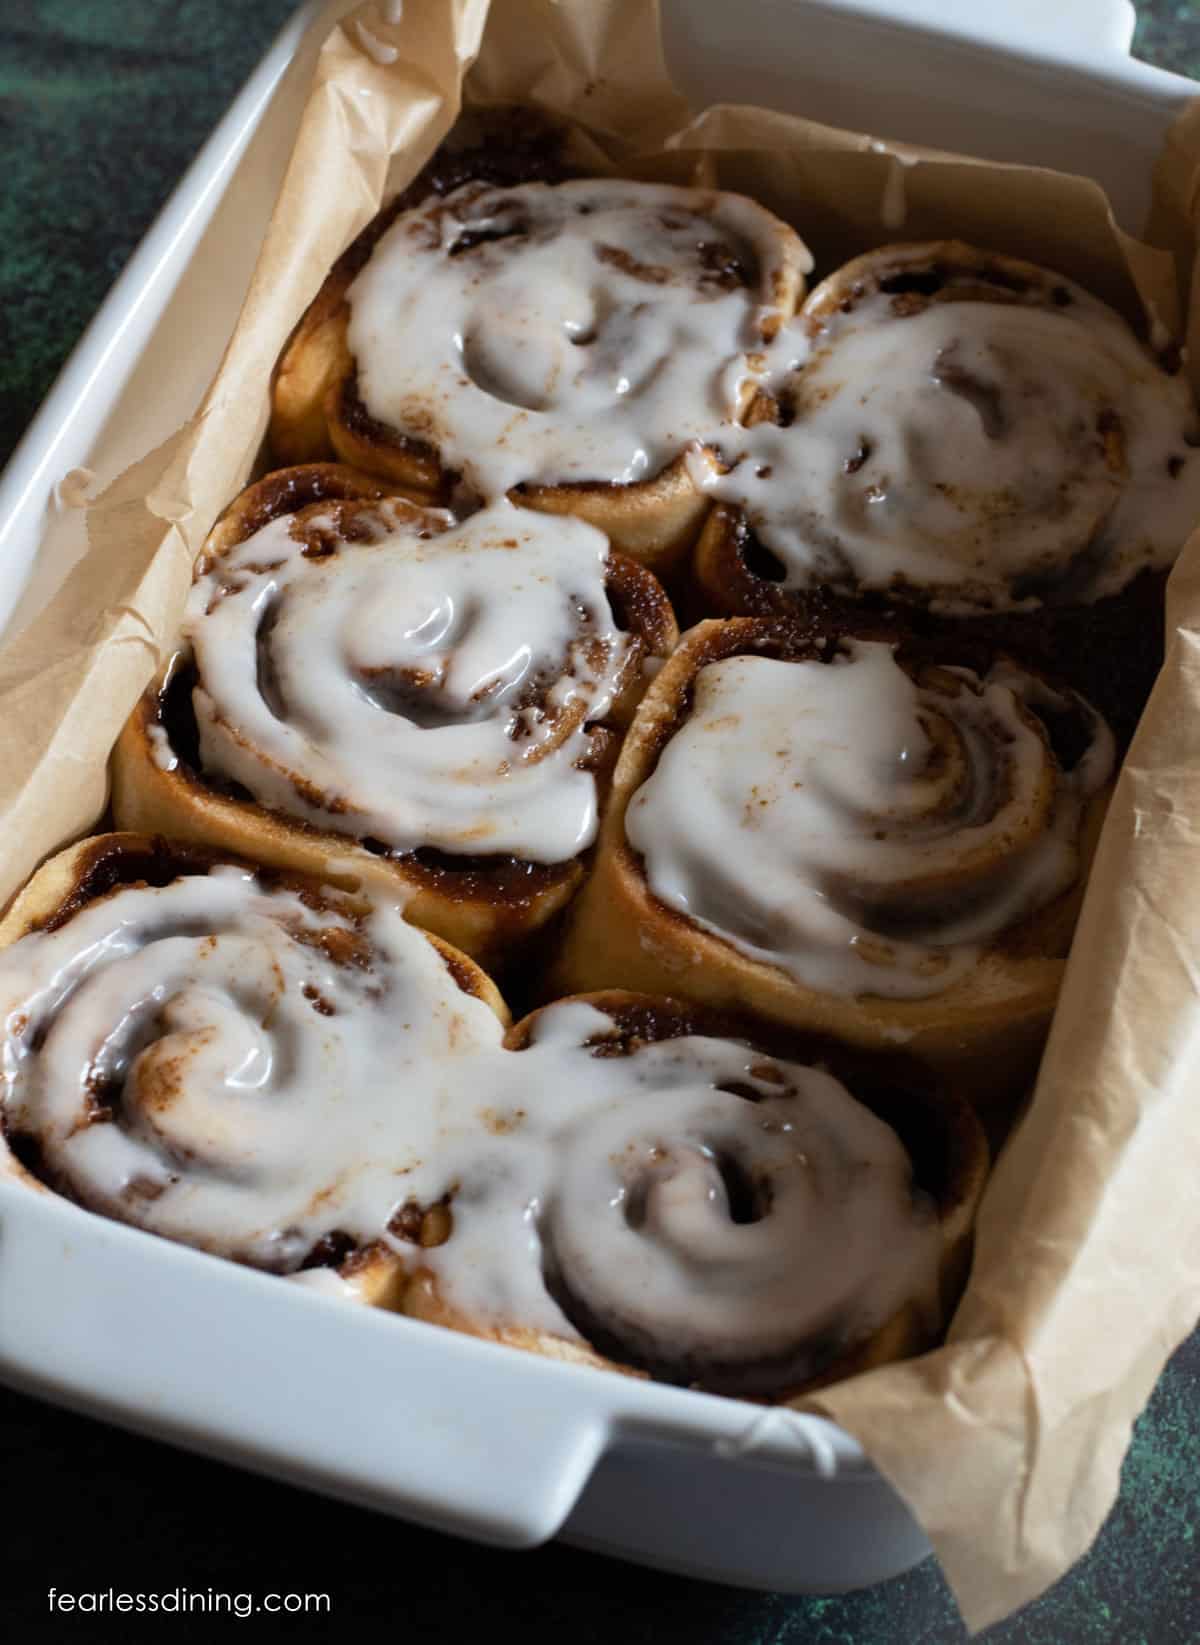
pixel 270 1070
pixel 230 1057
pixel 852 836
pixel 962 430
pixel 562 343
pixel 711 1203
pixel 370 691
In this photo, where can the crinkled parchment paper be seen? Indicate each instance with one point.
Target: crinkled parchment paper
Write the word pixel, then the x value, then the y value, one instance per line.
pixel 1007 1442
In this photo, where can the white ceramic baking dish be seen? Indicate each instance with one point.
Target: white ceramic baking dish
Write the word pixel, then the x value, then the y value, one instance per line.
pixel 452 1432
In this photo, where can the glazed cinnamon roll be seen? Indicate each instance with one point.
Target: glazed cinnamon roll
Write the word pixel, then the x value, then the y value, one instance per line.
pixel 370 691
pixel 965 431
pixel 270 1070
pixel 239 1060
pixel 851 836
pixel 711 1205
pixel 562 343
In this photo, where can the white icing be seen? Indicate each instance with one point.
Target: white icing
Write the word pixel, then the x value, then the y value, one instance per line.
pixel 262 1096
pixel 986 453
pixel 434 683
pixel 968 450
pixel 259 1079
pixel 638 1220
pixel 587 341
pixel 862 831
pixel 962 450
pixel 161 752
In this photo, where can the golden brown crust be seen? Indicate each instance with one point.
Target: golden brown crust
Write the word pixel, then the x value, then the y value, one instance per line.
pixel 410 465
pixel 487 906
pixel 290 491
pixel 485 911
pixel 375 1276
pixel 655 521
pixel 934 271
pixel 984 1032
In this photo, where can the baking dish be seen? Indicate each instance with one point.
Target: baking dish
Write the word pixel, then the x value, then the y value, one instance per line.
pixel 497 1447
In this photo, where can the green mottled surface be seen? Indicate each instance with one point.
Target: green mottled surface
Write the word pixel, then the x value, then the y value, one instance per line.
pixel 102 105
pixel 1168 34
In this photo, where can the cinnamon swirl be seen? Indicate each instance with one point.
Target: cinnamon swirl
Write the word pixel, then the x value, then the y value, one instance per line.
pixel 220 1054
pixel 370 690
pixel 562 343
pixel 714 1206
pixel 849 836
pixel 964 430
pixel 273 1071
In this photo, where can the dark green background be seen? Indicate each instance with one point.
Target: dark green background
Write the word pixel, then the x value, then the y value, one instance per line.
pixel 101 107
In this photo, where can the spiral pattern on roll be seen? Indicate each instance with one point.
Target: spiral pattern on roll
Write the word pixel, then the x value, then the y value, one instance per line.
pixel 586 331
pixel 282 1074
pixel 970 431
pixel 379 671
pixel 728 1217
pixel 227 1062
pixel 865 827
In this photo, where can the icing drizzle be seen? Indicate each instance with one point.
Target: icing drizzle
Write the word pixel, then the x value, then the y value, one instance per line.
pixel 985 454
pixel 865 830
pixel 1005 443
pixel 410 680
pixel 252 1070
pixel 585 331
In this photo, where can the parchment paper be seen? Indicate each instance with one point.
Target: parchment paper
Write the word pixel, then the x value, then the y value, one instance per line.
pixel 1007 1442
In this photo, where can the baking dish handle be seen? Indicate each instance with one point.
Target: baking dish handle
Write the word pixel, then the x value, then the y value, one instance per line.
pixel 444 1429
pixel 441 1429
